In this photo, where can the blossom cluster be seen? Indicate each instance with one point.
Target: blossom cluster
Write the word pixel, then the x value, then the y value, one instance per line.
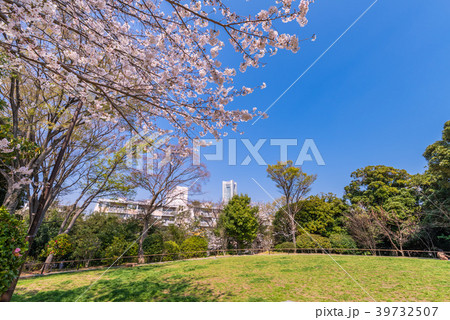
pixel 146 60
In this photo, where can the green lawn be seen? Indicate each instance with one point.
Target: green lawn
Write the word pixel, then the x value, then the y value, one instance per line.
pixel 252 278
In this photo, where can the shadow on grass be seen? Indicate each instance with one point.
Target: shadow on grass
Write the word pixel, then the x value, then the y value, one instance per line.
pixel 150 289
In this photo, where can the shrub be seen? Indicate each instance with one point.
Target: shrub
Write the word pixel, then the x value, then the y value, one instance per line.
pixel 153 244
pixel 171 249
pixel 118 247
pixel 285 247
pixel 12 245
pixel 192 245
pixel 59 246
pixel 305 241
pixel 342 241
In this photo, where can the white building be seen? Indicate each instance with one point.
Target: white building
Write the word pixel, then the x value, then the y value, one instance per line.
pixel 229 189
pixel 178 197
pixel 176 209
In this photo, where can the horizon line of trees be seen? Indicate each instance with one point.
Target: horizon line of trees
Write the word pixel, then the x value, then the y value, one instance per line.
pixel 382 207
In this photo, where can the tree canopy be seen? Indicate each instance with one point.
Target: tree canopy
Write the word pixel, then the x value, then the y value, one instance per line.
pixel 382 186
pixel 239 220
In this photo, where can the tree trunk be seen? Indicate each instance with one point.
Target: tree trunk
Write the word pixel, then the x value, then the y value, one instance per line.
pixel 401 250
pixel 141 258
pixel 293 229
pixel 47 263
pixel 12 200
pixel 6 296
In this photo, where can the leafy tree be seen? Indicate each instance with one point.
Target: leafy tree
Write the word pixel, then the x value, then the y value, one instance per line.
pixel 239 220
pixel 47 231
pixel 175 233
pixel 102 228
pixel 319 214
pixel 86 247
pixel 384 200
pixel 294 185
pixel 435 191
pixel 376 186
pixel 438 157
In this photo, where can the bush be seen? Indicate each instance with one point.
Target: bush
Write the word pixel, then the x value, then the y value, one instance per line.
pixel 12 245
pixel 342 241
pixel 304 241
pixel 118 247
pixel 59 246
pixel 171 249
pixel 285 247
pixel 192 245
pixel 153 244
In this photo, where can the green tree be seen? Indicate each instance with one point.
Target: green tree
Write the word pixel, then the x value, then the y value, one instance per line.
pixel 385 204
pixel 239 220
pixel 321 214
pixel 376 186
pixel 102 229
pixel 86 247
pixel 294 185
pixel 435 191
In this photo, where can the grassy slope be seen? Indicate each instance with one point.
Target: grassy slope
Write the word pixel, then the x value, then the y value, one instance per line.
pixel 253 278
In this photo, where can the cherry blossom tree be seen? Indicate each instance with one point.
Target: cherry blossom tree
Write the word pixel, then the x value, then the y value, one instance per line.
pixel 151 59
pixel 143 64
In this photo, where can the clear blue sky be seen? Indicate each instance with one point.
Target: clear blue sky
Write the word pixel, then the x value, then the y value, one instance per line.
pixel 379 96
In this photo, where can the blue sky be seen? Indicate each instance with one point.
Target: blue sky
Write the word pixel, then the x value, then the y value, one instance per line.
pixel 379 96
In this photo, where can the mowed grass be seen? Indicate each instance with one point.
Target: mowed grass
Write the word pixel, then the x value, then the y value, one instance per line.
pixel 252 278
